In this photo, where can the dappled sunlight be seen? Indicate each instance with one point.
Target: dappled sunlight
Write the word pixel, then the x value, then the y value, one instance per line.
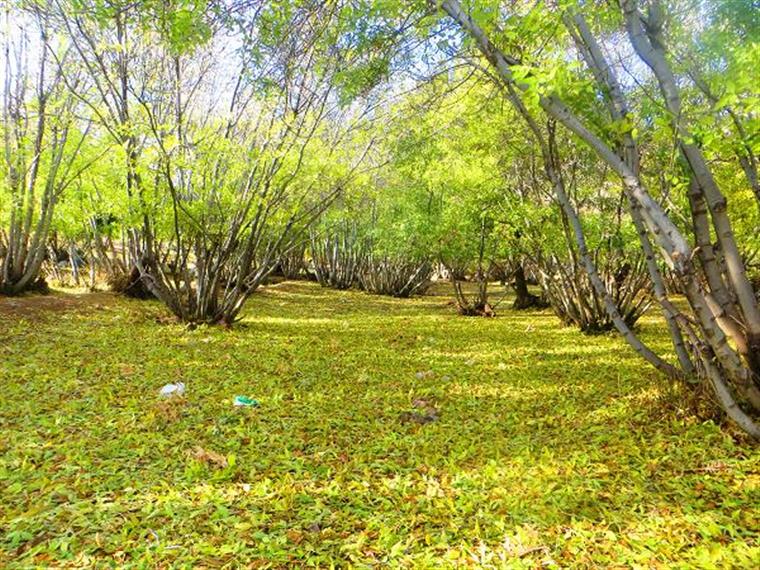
pixel 545 448
pixel 380 284
pixel 296 322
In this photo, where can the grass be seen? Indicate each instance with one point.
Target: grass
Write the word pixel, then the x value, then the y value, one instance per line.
pixel 552 449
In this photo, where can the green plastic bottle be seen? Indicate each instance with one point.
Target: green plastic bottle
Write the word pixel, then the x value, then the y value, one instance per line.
pixel 244 401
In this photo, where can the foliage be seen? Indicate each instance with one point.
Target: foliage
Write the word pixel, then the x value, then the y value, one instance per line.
pixel 550 448
pixel 189 149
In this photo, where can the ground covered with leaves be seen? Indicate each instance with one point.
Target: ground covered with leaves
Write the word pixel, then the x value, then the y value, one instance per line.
pixel 390 433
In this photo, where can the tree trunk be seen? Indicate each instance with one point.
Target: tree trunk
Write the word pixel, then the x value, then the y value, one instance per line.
pixel 524 299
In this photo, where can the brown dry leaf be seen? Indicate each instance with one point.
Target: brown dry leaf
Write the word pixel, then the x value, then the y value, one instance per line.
pixel 210 457
pixel 170 410
pixel 166 319
pixel 431 415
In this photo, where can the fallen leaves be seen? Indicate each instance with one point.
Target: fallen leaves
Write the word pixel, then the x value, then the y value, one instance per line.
pixel 170 410
pixel 552 461
pixel 426 413
pixel 210 457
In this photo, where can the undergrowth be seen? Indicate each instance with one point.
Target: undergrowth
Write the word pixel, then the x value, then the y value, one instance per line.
pixel 547 448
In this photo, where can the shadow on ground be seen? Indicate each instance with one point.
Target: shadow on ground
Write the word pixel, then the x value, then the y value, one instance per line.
pixel 550 448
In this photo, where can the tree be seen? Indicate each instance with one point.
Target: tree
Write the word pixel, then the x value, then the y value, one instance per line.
pixel 40 148
pixel 729 371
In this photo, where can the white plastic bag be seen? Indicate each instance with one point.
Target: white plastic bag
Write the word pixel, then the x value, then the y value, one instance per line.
pixel 177 389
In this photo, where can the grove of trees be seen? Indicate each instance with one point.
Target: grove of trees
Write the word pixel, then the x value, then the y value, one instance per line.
pixel 604 152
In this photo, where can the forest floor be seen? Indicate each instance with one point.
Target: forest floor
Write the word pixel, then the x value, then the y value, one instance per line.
pixel 546 448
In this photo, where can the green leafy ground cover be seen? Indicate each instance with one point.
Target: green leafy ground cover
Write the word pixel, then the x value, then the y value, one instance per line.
pixel 551 449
